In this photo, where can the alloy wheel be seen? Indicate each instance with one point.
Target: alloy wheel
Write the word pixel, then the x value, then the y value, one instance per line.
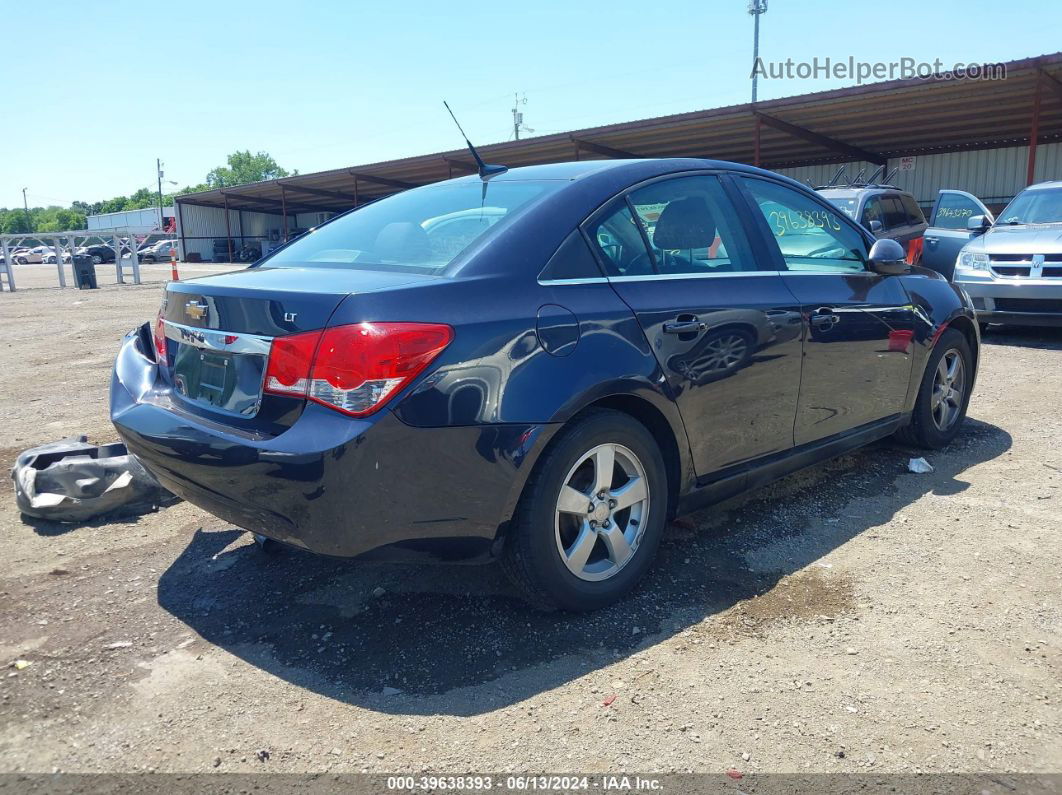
pixel 602 512
pixel 949 386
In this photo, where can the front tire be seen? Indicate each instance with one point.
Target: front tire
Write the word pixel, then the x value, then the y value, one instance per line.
pixel 944 394
pixel 590 519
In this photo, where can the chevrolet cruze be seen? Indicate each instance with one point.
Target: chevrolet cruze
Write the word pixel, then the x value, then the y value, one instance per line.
pixel 542 367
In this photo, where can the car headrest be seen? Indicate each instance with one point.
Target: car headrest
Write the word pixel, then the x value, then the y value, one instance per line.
pixel 403 241
pixel 685 223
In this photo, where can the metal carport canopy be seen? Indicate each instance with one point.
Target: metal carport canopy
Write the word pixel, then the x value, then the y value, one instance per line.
pixel 872 122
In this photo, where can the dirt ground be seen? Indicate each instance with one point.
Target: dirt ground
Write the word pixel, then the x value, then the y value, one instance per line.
pixel 854 617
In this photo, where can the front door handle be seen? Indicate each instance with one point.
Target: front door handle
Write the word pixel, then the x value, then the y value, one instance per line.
pixel 684 327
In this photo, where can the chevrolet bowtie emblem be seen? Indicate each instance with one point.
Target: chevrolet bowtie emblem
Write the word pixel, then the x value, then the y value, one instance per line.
pixel 196 309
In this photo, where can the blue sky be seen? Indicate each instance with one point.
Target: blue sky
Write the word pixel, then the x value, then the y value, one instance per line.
pixel 100 90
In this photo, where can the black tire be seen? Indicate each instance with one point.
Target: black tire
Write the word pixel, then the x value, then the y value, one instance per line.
pixel 531 557
pixel 923 430
pixel 96 259
pixel 21 261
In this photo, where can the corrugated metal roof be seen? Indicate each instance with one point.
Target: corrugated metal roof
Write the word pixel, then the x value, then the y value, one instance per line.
pixel 871 122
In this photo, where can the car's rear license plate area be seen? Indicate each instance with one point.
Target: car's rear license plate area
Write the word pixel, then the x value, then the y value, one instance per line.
pixel 224 381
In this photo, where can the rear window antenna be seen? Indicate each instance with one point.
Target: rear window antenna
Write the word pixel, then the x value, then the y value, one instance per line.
pixel 485 170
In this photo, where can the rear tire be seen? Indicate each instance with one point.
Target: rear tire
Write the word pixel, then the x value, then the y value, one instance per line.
pixel 560 555
pixel 940 407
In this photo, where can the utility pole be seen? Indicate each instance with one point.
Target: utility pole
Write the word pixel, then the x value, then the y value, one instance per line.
pixel 756 9
pixel 518 117
pixel 25 205
pixel 158 171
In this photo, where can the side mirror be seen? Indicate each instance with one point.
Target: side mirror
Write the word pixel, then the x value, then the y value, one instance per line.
pixel 876 227
pixel 888 258
pixel 978 223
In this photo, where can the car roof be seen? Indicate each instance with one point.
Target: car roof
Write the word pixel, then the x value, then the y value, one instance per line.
pixel 1054 183
pixel 637 168
pixel 851 193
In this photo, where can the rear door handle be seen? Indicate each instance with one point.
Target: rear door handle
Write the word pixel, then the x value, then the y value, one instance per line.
pixel 824 318
pixel 684 327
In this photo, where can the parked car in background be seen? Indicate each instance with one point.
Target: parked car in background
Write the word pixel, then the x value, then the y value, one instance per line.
pixel 100 253
pixel 157 252
pixel 949 229
pixel 1012 268
pixel 606 345
pixel 888 212
pixel 30 256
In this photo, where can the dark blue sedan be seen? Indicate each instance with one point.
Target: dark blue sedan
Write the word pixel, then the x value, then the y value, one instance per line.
pixel 542 367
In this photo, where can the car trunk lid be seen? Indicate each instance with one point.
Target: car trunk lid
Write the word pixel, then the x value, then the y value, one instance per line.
pixel 219 331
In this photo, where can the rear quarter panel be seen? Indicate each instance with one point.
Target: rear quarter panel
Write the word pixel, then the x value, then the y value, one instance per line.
pixel 937 304
pixel 496 371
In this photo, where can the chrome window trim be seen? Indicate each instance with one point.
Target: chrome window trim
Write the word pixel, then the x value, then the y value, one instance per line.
pixel 659 277
pixel 653 277
pixel 835 272
pixel 214 339
pixel 582 280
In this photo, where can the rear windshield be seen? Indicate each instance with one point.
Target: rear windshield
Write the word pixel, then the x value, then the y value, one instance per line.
pixel 420 231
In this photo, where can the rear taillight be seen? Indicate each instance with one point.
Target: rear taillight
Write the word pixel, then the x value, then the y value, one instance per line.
pixel 159 335
pixel 290 358
pixel 355 369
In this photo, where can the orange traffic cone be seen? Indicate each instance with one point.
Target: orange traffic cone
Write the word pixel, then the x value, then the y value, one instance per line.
pixel 173 265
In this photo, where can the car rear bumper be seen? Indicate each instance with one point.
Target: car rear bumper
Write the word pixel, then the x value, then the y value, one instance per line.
pixel 329 484
pixel 1033 302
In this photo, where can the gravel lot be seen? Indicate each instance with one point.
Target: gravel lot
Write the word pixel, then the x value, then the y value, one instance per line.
pixel 854 617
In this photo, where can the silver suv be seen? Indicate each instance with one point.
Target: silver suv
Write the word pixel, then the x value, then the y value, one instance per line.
pixel 884 210
pixel 1013 270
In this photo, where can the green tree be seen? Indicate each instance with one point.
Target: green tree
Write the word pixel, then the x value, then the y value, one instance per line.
pixel 243 167
pixel 114 205
pixel 142 199
pixel 58 219
pixel 14 222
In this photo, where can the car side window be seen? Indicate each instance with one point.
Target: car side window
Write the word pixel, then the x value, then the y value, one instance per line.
pixel 872 212
pixel 619 241
pixel 692 227
pixel 914 212
pixel 572 260
pixel 895 216
pixel 954 211
pixel 811 238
